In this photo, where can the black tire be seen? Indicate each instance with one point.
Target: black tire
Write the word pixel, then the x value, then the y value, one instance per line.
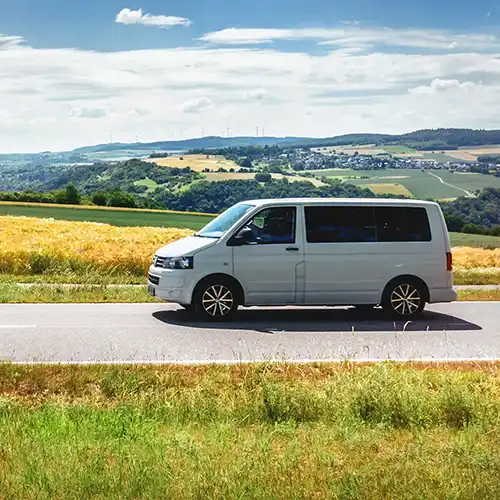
pixel 216 299
pixel 404 298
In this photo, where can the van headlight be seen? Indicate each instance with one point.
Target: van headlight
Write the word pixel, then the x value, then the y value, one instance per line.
pixel 178 263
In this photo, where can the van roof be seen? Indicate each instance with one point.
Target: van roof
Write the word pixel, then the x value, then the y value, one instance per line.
pixel 330 201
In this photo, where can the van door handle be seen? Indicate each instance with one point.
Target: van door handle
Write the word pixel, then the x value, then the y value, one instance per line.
pixel 292 249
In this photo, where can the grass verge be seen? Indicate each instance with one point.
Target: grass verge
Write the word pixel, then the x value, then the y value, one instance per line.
pixel 477 276
pixel 11 293
pixel 250 431
pixel 92 294
pixel 75 278
pixel 473 276
pixel 470 294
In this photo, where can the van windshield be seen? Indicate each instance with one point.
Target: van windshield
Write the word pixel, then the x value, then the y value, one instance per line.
pixel 224 221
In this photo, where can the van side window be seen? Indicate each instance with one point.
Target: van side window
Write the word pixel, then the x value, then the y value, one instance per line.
pixel 274 225
pixel 339 224
pixel 402 224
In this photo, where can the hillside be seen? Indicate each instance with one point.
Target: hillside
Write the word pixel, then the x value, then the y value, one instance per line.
pixel 199 143
pixel 429 139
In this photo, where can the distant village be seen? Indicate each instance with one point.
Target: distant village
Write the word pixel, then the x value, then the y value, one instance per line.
pixel 309 159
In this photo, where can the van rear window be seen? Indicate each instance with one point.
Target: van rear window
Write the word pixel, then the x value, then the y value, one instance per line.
pixel 351 224
pixel 402 224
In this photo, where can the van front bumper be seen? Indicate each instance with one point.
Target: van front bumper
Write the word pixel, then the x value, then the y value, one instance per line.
pixel 442 295
pixel 169 285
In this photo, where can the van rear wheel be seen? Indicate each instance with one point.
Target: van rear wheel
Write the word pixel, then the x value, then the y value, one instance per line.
pixel 216 300
pixel 404 298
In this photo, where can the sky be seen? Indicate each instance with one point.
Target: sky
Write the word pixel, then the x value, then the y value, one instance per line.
pixel 94 71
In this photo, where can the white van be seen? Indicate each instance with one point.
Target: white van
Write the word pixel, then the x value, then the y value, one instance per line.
pixel 314 252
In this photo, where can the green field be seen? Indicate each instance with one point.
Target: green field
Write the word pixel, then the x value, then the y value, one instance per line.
pixel 149 183
pixel 339 431
pixel 110 216
pixel 422 185
pixel 474 240
pixel 395 150
pixel 470 181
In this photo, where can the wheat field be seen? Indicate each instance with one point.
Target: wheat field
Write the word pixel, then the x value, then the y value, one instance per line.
pixel 35 246
pixel 31 246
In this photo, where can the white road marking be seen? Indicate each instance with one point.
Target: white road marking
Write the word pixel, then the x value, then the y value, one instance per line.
pixel 268 361
pixel 17 326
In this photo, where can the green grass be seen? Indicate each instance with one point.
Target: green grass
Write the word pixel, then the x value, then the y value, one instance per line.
pixel 470 182
pixel 473 294
pixel 58 293
pixel 11 293
pixel 474 240
pixel 250 431
pixel 395 150
pixel 477 276
pixel 84 277
pixel 439 157
pixel 110 216
pixel 420 184
pixel 149 183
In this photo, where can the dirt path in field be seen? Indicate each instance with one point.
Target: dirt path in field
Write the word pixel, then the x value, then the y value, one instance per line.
pixel 469 195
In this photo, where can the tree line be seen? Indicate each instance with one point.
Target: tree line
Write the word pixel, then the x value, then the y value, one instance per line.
pixel 479 215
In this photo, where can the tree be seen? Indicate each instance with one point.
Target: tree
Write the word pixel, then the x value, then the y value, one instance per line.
pixel 247 163
pixel 100 199
pixel 495 231
pixel 262 177
pixel 454 223
pixel 118 198
pixel 472 229
pixel 72 195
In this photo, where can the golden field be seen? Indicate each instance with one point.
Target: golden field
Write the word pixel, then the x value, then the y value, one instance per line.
pixel 470 258
pixel 197 163
pixel 34 246
pixel 31 246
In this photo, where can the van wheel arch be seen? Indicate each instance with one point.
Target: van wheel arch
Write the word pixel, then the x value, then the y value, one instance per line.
pixel 226 277
pixel 411 279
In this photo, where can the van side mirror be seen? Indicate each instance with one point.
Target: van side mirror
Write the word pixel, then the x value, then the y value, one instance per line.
pixel 244 237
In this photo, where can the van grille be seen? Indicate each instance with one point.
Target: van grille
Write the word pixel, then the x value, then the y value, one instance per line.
pixel 155 280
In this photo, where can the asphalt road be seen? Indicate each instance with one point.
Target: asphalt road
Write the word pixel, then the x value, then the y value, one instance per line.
pixel 162 333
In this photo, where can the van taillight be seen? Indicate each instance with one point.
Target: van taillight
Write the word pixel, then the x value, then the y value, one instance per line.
pixel 449 261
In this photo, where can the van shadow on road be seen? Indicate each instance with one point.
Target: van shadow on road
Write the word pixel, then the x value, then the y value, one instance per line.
pixel 318 320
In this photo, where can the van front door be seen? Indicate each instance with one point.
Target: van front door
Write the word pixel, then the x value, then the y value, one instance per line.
pixel 270 262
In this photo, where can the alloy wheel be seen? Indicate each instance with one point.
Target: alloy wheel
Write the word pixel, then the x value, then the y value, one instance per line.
pixel 405 299
pixel 217 300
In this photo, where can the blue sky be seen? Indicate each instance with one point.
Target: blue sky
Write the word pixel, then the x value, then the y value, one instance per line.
pixel 72 73
pixel 90 24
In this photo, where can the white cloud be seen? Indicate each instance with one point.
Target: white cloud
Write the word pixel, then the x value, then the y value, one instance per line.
pixel 48 95
pixel 10 42
pixel 350 23
pixel 257 94
pixel 439 85
pixel 128 16
pixel 355 36
pixel 87 112
pixel 197 105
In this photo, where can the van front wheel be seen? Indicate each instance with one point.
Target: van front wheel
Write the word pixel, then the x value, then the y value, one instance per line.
pixel 215 300
pixel 404 299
